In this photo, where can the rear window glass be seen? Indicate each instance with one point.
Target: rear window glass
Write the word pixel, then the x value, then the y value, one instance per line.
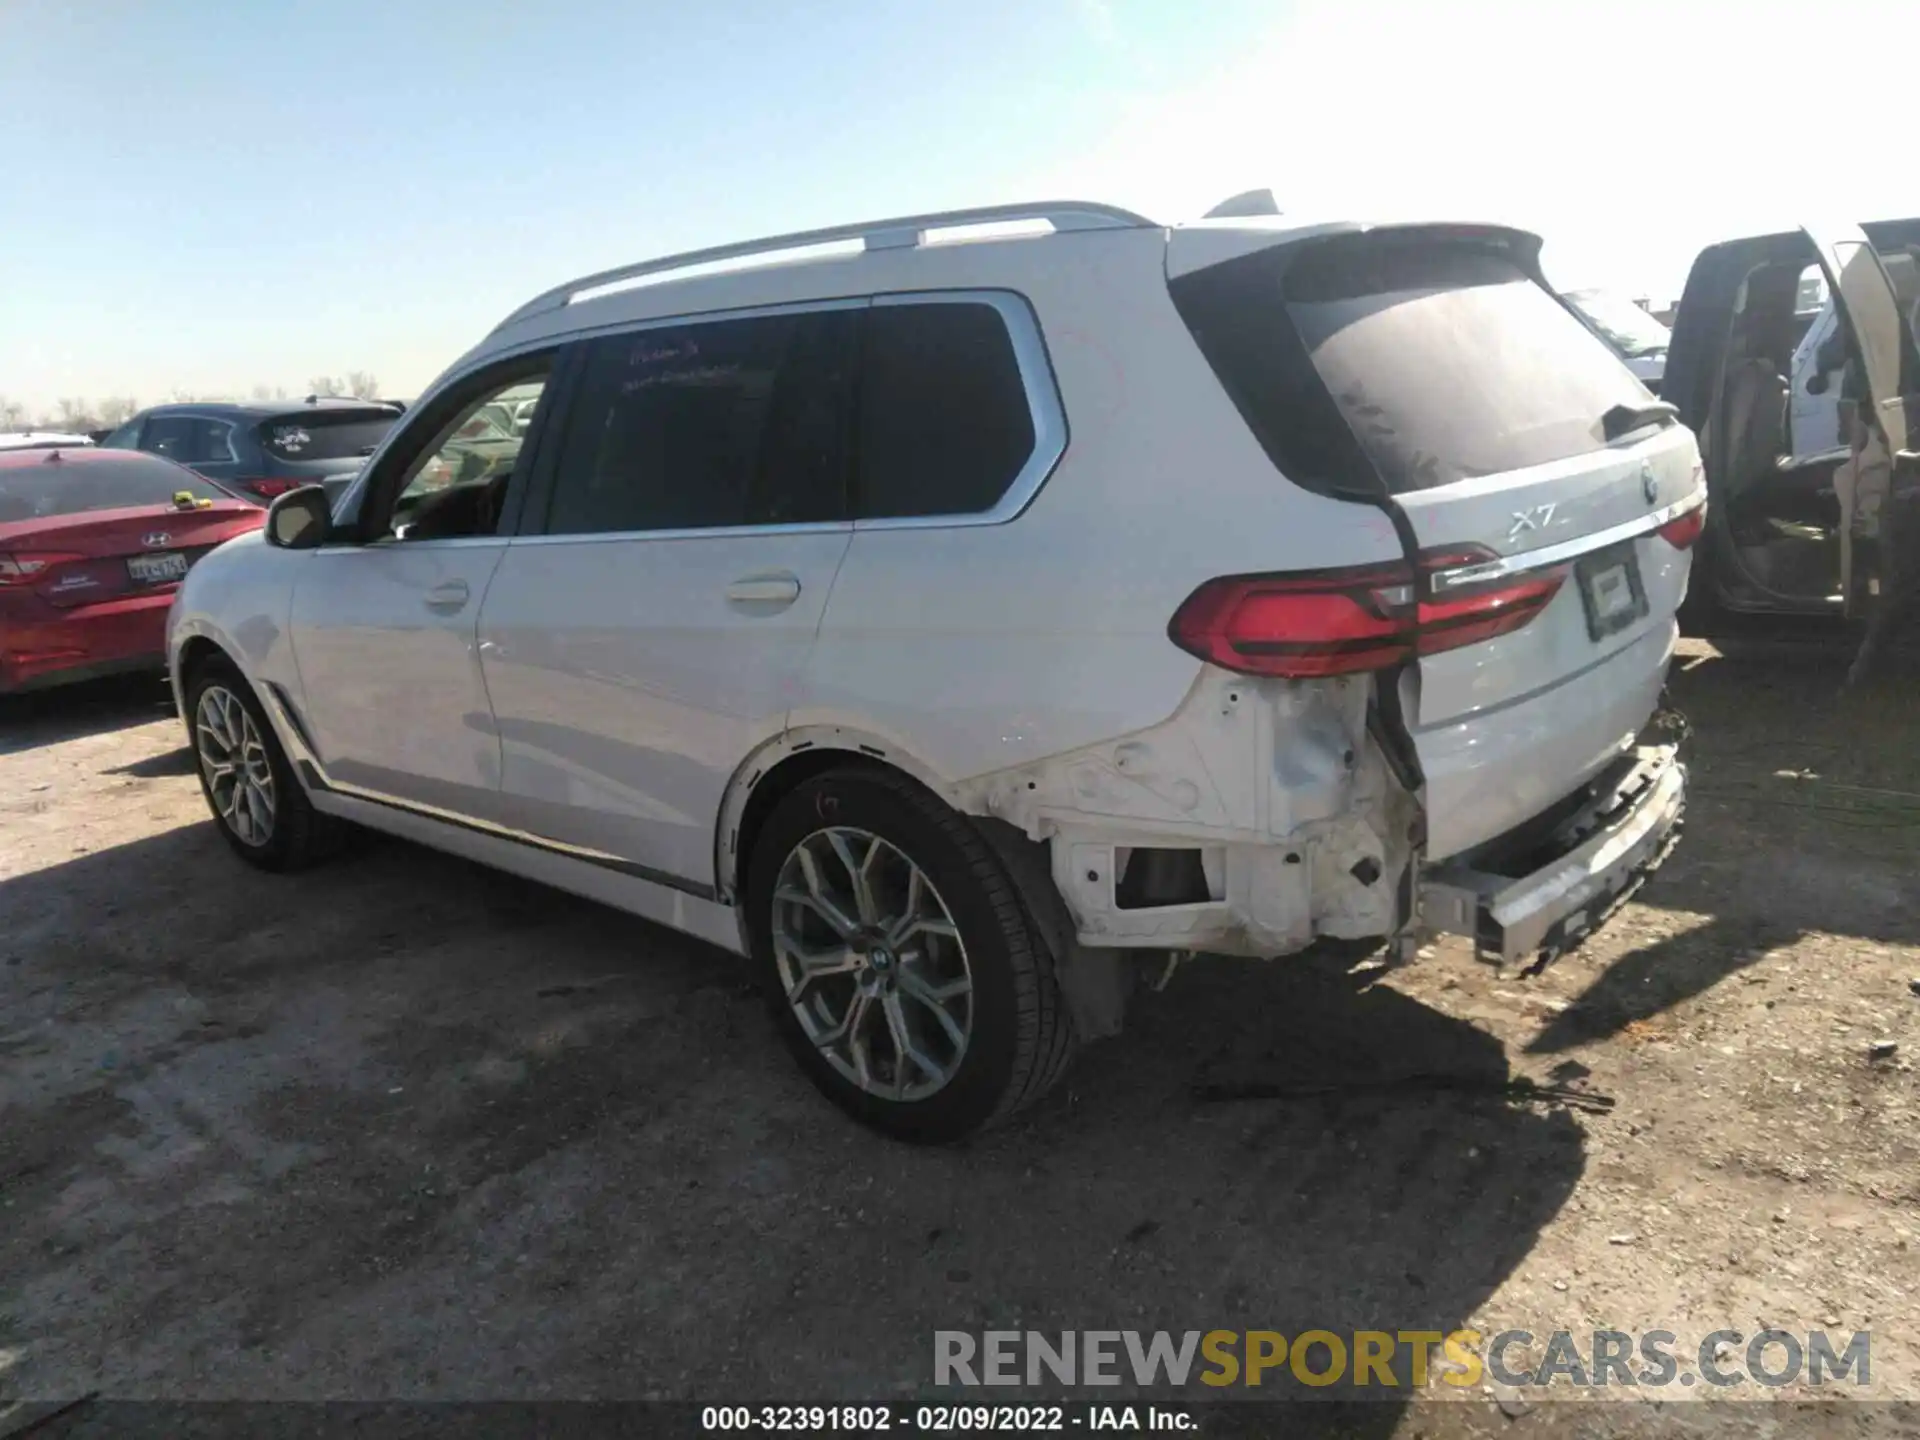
pixel 326 434
pixel 945 425
pixel 101 481
pixel 1413 364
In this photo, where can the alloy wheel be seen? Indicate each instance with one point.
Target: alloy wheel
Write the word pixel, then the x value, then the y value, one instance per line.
pixel 233 758
pixel 872 963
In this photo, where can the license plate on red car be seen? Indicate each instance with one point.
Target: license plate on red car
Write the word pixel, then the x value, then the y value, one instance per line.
pixel 156 569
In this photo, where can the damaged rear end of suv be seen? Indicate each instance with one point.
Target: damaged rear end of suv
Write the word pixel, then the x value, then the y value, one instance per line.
pixel 1452 732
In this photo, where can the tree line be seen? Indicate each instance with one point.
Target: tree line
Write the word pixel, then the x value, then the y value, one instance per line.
pixel 77 415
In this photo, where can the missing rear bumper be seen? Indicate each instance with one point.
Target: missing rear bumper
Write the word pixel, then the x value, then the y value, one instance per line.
pixel 1530 897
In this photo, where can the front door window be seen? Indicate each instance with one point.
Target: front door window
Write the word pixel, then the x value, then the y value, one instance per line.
pixel 458 486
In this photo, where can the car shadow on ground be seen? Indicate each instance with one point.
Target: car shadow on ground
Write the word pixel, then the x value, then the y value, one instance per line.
pixel 178 761
pixel 71 712
pixel 1814 802
pixel 405 1127
pixel 1654 978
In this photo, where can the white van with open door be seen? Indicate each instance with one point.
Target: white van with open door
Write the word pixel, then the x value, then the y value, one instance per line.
pixel 1792 528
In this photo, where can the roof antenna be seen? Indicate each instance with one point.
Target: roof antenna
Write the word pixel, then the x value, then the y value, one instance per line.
pixel 1247 202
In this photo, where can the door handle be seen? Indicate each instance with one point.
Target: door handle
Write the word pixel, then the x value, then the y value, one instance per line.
pixel 449 595
pixel 781 589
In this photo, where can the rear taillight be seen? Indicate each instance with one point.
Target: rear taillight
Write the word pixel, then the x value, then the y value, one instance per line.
pixel 1479 610
pixel 28 567
pixel 268 489
pixel 1302 626
pixel 1681 531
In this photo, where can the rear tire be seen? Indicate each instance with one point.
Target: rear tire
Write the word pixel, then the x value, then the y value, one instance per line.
pixel 258 803
pixel 857 954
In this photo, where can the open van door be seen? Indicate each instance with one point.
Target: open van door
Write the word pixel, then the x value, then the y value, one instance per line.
pixel 1879 341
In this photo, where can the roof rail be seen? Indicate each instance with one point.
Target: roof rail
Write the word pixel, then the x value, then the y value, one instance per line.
pixel 902 233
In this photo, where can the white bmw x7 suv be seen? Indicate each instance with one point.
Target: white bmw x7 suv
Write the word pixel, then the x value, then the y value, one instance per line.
pixel 962 624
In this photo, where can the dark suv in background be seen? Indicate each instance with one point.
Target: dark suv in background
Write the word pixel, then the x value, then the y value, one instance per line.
pixel 265 448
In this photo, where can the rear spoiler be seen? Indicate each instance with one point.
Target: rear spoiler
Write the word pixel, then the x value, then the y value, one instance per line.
pixel 1200 247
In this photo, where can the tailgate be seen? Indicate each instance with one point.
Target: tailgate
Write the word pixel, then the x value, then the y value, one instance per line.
pixel 1545 501
pixel 1590 522
pixel 1509 725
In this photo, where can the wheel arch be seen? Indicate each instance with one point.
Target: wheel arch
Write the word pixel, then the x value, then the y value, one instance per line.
pixel 194 652
pixel 198 644
pixel 189 652
pixel 779 767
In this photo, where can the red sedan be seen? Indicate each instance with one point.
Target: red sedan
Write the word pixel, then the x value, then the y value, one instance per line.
pixel 92 547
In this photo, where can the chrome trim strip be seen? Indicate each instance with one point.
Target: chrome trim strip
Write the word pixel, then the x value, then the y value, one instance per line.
pixel 394 542
pixel 1547 555
pixel 316 777
pixel 293 735
pixel 283 704
pixel 601 858
pixel 709 532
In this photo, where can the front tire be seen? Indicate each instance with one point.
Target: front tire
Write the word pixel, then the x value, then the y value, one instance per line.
pixel 258 803
pixel 901 965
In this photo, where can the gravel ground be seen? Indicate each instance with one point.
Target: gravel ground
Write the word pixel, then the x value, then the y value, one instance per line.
pixel 403 1128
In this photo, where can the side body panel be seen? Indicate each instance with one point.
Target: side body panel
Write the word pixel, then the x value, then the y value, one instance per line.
pixel 632 675
pixel 392 693
pixel 703 919
pixel 240 599
pixel 985 646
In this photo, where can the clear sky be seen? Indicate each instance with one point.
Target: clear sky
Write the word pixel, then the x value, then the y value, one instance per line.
pixel 206 195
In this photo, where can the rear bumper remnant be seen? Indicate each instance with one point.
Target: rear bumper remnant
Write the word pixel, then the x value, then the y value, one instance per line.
pixel 1531 897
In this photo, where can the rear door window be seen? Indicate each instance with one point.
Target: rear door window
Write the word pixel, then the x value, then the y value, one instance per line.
pixel 104 480
pixel 171 436
pixel 945 422
pixel 719 424
pixel 327 435
pixel 209 442
pixel 189 439
pixel 1414 364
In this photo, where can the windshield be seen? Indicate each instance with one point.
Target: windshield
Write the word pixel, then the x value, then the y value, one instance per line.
pixel 1628 328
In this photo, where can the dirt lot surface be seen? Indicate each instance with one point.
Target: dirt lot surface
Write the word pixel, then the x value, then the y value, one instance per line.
pixel 402 1128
